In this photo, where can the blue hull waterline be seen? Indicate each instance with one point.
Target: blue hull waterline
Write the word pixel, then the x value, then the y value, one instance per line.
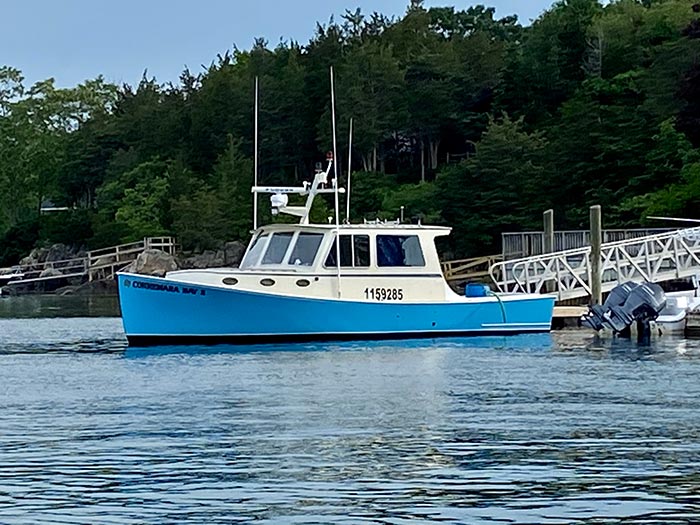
pixel 163 311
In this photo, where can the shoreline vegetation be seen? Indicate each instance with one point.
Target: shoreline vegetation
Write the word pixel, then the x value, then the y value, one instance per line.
pixel 461 118
pixel 49 265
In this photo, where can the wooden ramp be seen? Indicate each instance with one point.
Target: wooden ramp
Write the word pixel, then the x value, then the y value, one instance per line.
pixel 95 265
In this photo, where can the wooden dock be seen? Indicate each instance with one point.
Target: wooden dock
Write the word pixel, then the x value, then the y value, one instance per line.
pixel 569 312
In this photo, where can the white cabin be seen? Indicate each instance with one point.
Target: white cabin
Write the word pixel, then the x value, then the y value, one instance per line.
pixel 378 262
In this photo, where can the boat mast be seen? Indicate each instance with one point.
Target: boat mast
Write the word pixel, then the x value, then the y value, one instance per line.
pixel 255 195
pixel 347 196
pixel 336 185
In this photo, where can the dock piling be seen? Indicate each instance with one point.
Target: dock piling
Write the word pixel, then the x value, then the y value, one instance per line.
pixel 596 250
pixel 548 238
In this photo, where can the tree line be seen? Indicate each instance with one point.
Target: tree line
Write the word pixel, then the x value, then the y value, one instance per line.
pixel 461 118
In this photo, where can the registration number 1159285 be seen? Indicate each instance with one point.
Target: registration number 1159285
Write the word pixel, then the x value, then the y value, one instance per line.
pixel 384 294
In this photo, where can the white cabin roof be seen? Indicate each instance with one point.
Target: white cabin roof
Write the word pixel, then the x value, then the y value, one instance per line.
pixel 383 227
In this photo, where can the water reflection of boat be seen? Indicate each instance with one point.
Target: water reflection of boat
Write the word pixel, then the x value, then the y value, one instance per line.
pixel 524 342
pixel 301 282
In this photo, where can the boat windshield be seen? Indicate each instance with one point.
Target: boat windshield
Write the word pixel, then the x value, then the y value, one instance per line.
pixel 305 249
pixel 253 256
pixel 268 250
pixel 277 248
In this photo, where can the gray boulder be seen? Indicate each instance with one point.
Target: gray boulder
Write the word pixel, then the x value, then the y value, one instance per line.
pixel 153 262
pixel 50 272
pixel 104 261
pixel 233 253
pixel 35 257
pixel 58 252
pixel 208 259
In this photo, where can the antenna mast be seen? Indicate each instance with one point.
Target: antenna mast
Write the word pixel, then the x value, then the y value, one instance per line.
pixel 255 195
pixel 347 197
pixel 335 184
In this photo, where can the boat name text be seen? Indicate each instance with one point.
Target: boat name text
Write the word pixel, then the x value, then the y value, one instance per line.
pixel 171 288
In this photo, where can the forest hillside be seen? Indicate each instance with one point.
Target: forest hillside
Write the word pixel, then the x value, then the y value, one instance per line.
pixel 460 117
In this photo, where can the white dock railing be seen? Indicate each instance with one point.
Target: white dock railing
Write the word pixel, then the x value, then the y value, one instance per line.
pixel 654 258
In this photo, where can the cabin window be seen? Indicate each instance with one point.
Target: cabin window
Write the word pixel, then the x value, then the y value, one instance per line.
pixel 305 249
pixel 354 252
pixel 277 248
pixel 361 251
pixel 399 251
pixel 251 258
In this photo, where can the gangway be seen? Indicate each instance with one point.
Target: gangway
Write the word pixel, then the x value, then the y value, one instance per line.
pixel 653 258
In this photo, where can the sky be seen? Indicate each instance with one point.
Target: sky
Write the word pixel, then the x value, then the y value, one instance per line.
pixel 75 40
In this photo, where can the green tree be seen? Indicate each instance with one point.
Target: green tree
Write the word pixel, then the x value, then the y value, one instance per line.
pixel 141 209
pixel 500 188
pixel 598 146
pixel 549 64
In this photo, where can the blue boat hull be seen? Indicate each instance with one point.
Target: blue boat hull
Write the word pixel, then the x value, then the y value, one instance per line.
pixel 160 311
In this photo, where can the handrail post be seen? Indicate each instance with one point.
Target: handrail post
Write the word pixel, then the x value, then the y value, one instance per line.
pixel 596 247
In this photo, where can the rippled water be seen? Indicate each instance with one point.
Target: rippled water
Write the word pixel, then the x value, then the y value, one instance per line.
pixel 560 429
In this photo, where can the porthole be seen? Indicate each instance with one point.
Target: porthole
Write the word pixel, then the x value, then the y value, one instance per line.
pixel 231 281
pixel 303 283
pixel 267 282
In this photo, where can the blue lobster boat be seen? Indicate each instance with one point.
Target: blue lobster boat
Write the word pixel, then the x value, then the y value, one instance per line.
pixel 303 282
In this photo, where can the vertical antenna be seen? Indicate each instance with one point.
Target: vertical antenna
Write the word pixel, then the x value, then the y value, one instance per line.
pixel 255 195
pixel 347 197
pixel 335 182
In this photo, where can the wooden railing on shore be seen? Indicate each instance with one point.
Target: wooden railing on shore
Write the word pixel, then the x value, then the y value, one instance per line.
pixel 105 263
pixel 474 269
pixel 64 268
pixel 95 265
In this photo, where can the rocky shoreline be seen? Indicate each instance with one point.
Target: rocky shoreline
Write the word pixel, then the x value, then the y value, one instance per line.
pixel 149 262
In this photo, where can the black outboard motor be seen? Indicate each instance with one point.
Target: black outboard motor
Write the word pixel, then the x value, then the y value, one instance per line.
pixel 596 316
pixel 626 304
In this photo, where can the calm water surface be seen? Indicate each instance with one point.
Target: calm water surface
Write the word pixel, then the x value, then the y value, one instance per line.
pixel 539 430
